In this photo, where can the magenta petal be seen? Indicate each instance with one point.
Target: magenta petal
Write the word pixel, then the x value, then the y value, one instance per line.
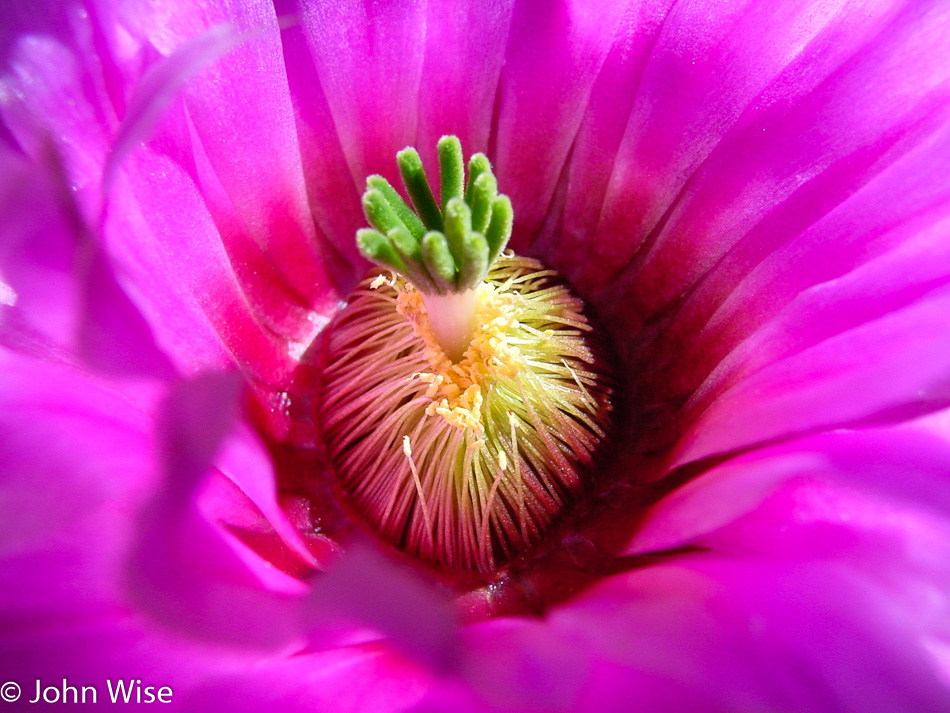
pixel 907 274
pixel 753 195
pixel 41 297
pixel 450 64
pixel 813 579
pixel 260 216
pixel 334 194
pixel 53 93
pixel 878 251
pixel 94 651
pixel 77 460
pixel 835 383
pixel 726 131
pixel 537 120
pixel 178 257
pixel 158 86
pixel 464 55
pixel 379 47
pixel 866 460
pixel 184 568
pixel 242 496
pixel 78 463
pixel 346 680
pixel 69 101
pixel 80 472
pixel 599 137
pixel 366 589
pixel 782 636
pixel 248 162
pixel 190 579
pixel 191 426
pixel 113 336
pixel 524 665
pixel 61 293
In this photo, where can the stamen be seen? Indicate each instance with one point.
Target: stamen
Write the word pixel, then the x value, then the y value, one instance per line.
pixel 522 515
pixel 407 449
pixel 464 463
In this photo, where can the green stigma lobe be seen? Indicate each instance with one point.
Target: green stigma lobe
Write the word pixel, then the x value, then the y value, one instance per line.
pixel 409 250
pixel 458 226
pixel 499 229
pixel 483 193
pixel 451 169
pixel 477 165
pixel 379 212
pixel 376 247
pixel 438 259
pixel 398 205
pixel 417 185
pixel 474 258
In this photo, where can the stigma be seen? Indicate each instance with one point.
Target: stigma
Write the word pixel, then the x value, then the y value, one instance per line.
pixel 464 410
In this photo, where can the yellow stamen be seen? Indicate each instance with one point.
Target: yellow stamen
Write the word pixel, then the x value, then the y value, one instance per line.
pixel 464 462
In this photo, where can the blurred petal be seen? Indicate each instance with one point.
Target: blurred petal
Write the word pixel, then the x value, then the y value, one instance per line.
pixel 62 295
pixel 79 470
pixel 809 635
pixel 366 589
pixel 347 680
pixel 53 86
pixel 184 569
pixel 42 302
pixel 65 438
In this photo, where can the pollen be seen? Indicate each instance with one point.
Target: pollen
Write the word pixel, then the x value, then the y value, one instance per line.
pixel 455 388
pixel 465 463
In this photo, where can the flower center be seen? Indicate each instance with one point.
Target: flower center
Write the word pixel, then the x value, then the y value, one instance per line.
pixel 464 401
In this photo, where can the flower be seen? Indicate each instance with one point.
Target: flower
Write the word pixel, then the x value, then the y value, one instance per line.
pixel 753 197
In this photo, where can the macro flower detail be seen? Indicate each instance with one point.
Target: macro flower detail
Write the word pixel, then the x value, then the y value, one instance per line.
pixel 459 415
pixel 747 200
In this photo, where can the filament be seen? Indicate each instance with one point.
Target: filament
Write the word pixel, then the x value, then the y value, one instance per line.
pixel 464 462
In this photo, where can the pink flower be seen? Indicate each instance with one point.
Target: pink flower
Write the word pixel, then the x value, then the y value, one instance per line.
pixel 754 197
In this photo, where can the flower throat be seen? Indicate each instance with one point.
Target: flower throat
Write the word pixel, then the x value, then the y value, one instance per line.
pixel 464 399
